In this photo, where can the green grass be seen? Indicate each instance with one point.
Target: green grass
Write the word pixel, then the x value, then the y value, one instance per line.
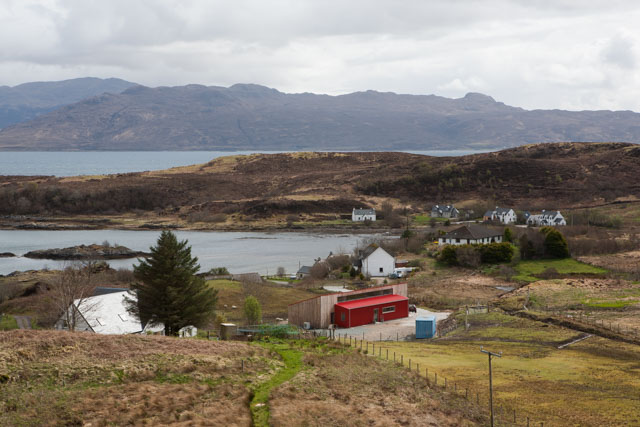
pixel 616 304
pixel 8 323
pixel 292 359
pixel 426 219
pixel 528 270
pixel 587 383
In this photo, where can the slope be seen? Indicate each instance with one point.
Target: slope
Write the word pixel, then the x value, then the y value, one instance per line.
pixel 244 117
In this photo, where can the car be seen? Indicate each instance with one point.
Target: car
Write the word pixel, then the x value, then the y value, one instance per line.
pixel 413 308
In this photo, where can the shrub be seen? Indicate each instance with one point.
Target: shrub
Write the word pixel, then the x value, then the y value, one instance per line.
pixel 219 271
pixel 468 256
pixel 494 253
pixel 448 255
pixel 508 235
pixel 555 245
pixel 252 310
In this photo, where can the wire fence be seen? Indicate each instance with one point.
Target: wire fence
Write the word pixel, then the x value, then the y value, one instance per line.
pixel 504 415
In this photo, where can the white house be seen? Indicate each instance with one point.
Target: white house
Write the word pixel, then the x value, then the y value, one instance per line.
pixel 552 218
pixel 444 211
pixel 107 314
pixel 470 235
pixel 504 215
pixel 363 215
pixel 374 261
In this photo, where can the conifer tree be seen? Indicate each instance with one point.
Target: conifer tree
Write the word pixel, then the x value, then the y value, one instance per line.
pixel 167 289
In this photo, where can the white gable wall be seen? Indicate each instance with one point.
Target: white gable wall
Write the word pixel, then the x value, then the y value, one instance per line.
pixel 378 264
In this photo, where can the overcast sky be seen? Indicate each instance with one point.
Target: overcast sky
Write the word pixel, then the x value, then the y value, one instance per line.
pixel 579 54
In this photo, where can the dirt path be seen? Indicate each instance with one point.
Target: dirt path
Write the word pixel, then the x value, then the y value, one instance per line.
pixel 24 322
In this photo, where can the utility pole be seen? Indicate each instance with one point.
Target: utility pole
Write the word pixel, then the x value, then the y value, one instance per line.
pixel 490 380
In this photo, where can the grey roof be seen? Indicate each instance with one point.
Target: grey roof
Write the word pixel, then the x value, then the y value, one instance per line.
pixel 364 253
pixel 488 213
pixel 444 208
pixel 103 290
pixel 502 210
pixel 305 269
pixel 107 314
pixel 364 211
pixel 472 232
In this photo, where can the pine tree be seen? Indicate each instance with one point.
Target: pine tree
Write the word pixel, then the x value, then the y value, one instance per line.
pixel 167 289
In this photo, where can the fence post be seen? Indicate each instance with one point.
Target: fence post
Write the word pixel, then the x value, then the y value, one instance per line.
pixel 418 368
pixel 514 416
pixel 242 365
pixel 436 379
pixel 387 354
pixel 445 383
pixel 402 359
pixel 374 348
pixel 409 364
pixel 477 398
pixel 466 393
pixel 394 357
pixel 208 334
pixel 527 421
pixel 380 351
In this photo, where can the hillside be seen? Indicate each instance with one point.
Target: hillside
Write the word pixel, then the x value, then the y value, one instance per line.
pixel 29 100
pixel 252 117
pixel 250 188
pixel 59 378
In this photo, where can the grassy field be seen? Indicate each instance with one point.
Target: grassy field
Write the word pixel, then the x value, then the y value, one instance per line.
pixel 8 323
pixel 528 270
pixel 273 299
pixel 594 382
pixel 59 378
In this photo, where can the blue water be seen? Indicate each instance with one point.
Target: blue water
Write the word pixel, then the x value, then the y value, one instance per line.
pixel 75 163
pixel 240 252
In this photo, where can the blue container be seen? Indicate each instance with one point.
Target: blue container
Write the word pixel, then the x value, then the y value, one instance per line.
pixel 425 327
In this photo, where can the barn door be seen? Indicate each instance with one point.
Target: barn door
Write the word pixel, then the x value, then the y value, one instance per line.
pixel 375 315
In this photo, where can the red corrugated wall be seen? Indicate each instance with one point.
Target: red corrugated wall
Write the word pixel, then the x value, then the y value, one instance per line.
pixel 364 315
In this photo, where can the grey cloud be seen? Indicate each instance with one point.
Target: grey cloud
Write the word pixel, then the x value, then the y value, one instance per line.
pixel 619 51
pixel 542 54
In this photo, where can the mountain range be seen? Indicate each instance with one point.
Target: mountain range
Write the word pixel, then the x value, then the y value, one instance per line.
pixel 118 115
pixel 26 101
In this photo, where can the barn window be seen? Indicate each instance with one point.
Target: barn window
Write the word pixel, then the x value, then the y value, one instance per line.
pixel 389 309
pixel 381 270
pixel 342 317
pixel 457 240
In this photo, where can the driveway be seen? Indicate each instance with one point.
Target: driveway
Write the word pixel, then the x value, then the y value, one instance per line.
pixel 401 329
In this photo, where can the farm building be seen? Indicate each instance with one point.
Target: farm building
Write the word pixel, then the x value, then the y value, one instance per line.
pixel 319 312
pixel 106 313
pixel 371 310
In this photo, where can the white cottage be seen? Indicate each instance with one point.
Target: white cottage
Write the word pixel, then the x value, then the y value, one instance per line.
pixel 504 215
pixel 374 261
pixel 358 215
pixel 552 218
pixel 471 235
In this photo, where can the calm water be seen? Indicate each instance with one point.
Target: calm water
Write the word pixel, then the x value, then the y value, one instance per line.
pixel 240 252
pixel 111 162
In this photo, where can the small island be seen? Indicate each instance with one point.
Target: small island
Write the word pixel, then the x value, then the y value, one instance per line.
pixel 7 255
pixel 86 252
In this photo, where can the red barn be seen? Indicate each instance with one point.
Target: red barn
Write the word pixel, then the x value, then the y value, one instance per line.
pixel 369 310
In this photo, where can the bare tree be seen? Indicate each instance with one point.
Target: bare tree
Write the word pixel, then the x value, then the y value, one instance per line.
pixel 281 272
pixel 70 292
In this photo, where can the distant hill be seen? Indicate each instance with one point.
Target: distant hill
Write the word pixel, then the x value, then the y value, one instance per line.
pixel 252 117
pixel 26 101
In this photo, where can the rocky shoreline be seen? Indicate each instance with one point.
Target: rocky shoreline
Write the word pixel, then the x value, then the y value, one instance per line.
pixel 7 255
pixel 86 252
